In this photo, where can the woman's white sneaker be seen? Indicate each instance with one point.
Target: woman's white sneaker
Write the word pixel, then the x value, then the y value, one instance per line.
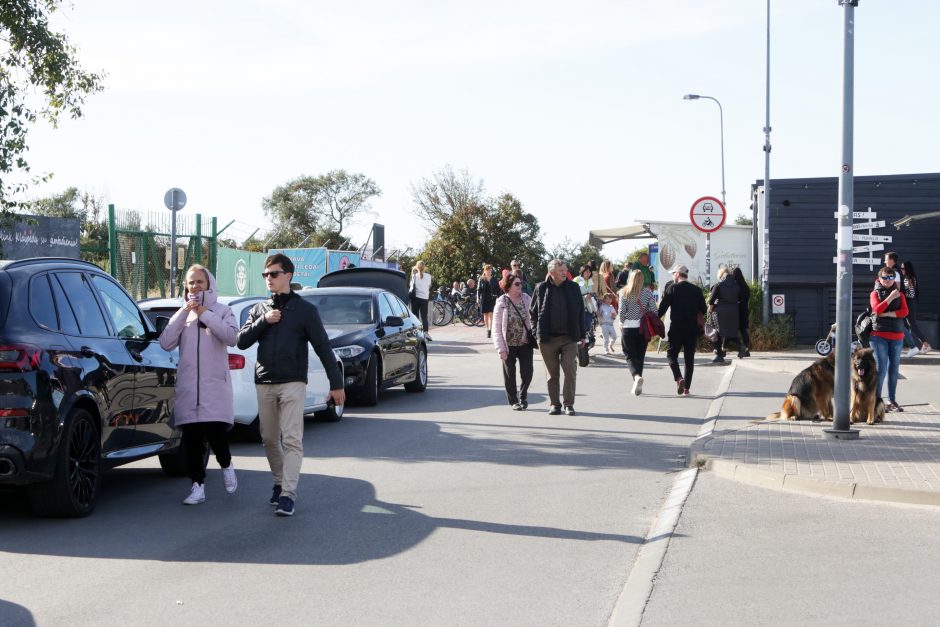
pixel 637 385
pixel 228 476
pixel 196 496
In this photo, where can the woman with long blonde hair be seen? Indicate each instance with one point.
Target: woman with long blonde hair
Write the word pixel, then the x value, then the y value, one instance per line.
pixel 421 290
pixel 634 300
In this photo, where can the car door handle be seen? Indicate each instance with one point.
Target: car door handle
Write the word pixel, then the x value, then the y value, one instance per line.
pixel 135 354
pixel 88 352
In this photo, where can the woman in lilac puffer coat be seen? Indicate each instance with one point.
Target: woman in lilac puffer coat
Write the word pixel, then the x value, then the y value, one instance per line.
pixel 203 329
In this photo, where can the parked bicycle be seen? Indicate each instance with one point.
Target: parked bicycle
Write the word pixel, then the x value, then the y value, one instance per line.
pixel 442 311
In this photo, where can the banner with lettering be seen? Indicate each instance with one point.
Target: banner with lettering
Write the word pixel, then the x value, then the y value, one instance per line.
pixel 25 236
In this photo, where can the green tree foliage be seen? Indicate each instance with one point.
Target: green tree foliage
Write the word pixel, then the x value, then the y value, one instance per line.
pixel 314 209
pixel 495 231
pixel 744 220
pixel 39 77
pixel 575 254
pixel 444 194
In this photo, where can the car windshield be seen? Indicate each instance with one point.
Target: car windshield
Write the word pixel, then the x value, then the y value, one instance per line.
pixel 343 308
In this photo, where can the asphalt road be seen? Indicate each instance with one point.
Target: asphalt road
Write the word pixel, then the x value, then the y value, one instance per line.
pixel 438 508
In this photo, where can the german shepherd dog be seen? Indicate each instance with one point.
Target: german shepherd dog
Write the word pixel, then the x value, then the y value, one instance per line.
pixel 865 404
pixel 811 392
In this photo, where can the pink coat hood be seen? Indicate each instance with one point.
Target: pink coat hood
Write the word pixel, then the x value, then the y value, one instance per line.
pixel 203 381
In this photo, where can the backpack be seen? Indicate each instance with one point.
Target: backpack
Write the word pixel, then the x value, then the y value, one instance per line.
pixel 863 326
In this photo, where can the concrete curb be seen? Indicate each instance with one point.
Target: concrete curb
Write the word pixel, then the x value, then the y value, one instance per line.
pixel 767 478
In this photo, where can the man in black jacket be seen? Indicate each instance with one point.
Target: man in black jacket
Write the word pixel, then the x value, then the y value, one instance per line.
pixel 557 314
pixel 282 326
pixel 687 303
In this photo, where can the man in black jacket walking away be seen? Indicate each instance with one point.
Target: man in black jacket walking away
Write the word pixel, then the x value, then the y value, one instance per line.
pixel 282 326
pixel 557 314
pixel 688 304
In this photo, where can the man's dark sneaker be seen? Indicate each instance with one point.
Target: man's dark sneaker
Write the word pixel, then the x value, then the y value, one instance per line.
pixel 517 406
pixel 554 411
pixel 285 506
pixel 680 386
pixel 747 352
pixel 742 353
pixel 524 404
pixel 719 359
pixel 427 336
pixel 686 393
pixel 569 410
pixel 276 494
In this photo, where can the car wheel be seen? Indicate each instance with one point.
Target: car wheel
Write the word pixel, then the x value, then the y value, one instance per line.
pixel 73 490
pixel 420 384
pixel 174 464
pixel 370 388
pixel 330 414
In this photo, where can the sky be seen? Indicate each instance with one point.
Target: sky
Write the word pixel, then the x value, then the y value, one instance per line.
pixel 575 108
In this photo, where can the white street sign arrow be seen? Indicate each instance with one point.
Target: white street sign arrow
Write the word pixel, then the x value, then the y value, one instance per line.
pixel 868 225
pixel 868 249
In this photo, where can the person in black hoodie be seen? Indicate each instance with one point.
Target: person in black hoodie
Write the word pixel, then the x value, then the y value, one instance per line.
pixel 557 314
pixel 687 304
pixel 282 326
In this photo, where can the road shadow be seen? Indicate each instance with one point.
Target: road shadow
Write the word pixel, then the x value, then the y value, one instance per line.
pixel 338 520
pixel 13 615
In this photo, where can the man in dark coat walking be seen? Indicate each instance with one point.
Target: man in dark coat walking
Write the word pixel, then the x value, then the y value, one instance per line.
pixel 687 304
pixel 557 314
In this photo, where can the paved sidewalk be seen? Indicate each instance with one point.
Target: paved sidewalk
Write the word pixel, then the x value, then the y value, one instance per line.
pixel 898 460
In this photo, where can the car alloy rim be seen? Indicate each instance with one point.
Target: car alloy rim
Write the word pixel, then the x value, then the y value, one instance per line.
pixel 422 367
pixel 83 462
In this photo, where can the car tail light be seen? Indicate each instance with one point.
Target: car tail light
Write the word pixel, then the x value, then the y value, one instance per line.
pixel 14 413
pixel 19 358
pixel 236 362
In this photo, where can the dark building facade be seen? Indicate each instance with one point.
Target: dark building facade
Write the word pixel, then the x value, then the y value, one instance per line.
pixel 802 244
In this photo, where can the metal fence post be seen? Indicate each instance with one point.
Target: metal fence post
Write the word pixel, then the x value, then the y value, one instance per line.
pixel 214 245
pixel 112 241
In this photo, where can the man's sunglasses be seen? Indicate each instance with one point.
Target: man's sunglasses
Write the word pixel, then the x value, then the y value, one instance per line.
pixel 516 284
pixel 273 273
pixel 889 277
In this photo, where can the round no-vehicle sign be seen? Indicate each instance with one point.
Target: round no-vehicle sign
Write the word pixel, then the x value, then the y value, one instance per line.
pixel 778 304
pixel 707 214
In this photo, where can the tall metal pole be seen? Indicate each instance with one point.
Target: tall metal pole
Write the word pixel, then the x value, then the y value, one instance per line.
pixel 840 428
pixel 708 236
pixel 173 246
pixel 765 211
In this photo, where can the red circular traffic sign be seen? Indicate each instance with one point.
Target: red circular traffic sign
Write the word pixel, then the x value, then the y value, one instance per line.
pixel 707 214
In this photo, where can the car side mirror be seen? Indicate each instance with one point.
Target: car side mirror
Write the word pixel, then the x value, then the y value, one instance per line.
pixel 394 321
pixel 161 323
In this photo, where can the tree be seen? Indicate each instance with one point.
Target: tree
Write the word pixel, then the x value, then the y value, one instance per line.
pixel 496 231
pixel 34 61
pixel 444 194
pixel 744 220
pixel 575 254
pixel 318 208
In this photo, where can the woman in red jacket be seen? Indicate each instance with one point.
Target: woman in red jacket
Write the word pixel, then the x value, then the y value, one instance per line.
pixel 887 336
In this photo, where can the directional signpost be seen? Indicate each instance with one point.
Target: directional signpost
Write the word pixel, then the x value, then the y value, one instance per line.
pixel 708 215
pixel 872 243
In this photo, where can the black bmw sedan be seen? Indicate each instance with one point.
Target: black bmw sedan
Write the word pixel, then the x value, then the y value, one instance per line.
pixel 375 334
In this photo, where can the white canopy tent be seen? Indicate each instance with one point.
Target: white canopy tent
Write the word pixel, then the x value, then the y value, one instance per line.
pixel 599 237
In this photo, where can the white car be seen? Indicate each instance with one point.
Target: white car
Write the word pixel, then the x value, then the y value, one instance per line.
pixel 242 365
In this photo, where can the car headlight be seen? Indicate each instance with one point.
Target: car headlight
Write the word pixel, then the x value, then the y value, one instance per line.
pixel 348 352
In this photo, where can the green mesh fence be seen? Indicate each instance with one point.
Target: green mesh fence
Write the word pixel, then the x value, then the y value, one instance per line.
pixel 139 250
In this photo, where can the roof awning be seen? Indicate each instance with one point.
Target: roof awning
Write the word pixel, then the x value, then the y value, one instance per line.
pixel 599 237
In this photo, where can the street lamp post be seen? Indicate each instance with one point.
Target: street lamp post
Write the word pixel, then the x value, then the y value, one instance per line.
pixel 708 236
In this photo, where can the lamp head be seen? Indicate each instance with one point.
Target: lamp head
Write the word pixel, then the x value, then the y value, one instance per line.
pixel 691 97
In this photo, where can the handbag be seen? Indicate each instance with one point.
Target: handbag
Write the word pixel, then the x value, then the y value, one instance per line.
pixel 711 328
pixel 533 343
pixel 863 326
pixel 653 326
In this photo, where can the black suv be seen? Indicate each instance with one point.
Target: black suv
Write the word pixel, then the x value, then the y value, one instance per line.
pixel 84 384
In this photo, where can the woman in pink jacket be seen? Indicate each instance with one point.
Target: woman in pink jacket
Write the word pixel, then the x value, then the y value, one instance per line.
pixel 203 329
pixel 510 323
